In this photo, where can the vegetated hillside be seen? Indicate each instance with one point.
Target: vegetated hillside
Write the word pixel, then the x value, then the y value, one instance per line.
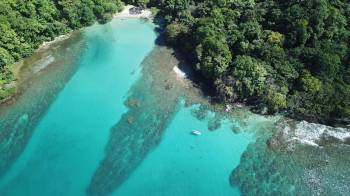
pixel 283 54
pixel 25 24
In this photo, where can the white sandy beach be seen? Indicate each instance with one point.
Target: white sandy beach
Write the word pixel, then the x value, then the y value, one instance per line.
pixel 126 13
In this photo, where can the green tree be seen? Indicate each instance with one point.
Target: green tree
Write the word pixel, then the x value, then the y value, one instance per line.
pixel 250 76
pixel 310 84
pixel 214 56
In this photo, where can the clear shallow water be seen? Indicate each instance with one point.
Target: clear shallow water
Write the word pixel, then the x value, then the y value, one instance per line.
pixel 184 164
pixel 19 118
pixel 68 142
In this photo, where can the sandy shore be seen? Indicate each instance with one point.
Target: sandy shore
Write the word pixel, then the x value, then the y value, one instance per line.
pixel 126 13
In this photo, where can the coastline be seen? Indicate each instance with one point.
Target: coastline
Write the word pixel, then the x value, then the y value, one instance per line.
pixel 11 89
pixel 45 45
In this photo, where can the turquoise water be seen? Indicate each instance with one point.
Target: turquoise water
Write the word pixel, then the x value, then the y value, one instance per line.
pixel 184 164
pixel 68 142
pixel 109 116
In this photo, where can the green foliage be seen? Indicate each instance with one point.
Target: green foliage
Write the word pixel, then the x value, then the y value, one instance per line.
pixel 154 11
pixel 214 57
pixel 275 38
pixel 173 32
pixel 250 75
pixel 310 84
pixel 5 58
pixel 286 55
pixel 275 100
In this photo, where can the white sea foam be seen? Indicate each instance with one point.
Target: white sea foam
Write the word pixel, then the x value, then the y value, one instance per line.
pixel 310 134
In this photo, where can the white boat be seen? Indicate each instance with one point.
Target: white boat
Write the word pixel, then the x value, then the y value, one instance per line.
pixel 196 132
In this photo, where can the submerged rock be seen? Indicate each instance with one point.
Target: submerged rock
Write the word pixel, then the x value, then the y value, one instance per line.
pixel 201 112
pixel 235 129
pixel 132 102
pixel 135 10
pixel 131 120
pixel 168 86
pixel 215 122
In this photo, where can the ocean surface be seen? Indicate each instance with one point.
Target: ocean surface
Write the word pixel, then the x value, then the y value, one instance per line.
pixel 103 113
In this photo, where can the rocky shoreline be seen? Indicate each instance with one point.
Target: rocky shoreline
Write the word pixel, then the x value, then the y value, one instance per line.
pixel 290 133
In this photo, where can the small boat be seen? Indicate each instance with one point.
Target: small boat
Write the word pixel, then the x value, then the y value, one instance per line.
pixel 196 132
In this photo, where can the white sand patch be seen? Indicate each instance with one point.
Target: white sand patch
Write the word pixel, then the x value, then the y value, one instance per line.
pixel 146 13
pixel 179 72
